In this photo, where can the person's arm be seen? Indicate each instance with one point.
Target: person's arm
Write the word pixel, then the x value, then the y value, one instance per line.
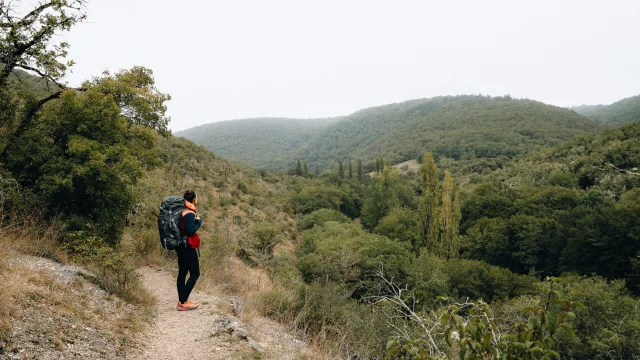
pixel 191 224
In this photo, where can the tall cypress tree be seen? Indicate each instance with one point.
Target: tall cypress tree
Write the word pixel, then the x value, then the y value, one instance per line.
pixel 305 170
pixel 298 168
pixel 359 170
pixel 450 218
pixel 350 170
pixel 429 205
pixel 340 170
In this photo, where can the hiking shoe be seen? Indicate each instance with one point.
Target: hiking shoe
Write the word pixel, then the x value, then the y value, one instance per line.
pixel 187 306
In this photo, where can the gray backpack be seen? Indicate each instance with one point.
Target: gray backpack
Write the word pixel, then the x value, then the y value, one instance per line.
pixel 169 222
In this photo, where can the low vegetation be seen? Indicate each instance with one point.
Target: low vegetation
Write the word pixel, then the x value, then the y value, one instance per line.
pixel 457 127
pixel 620 112
pixel 492 249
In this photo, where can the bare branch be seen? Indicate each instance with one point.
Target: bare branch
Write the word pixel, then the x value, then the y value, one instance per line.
pixel 47 77
pixel 610 165
pixel 631 172
pixel 33 14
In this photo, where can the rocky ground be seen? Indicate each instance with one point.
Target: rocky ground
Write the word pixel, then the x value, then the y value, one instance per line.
pixel 61 314
pixel 213 331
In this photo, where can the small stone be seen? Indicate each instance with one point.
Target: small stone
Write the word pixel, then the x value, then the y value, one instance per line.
pixel 237 306
pixel 240 333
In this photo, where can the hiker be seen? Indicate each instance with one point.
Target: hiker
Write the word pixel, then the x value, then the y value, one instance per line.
pixel 187 252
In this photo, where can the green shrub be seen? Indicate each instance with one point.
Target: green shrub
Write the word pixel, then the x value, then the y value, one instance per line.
pixel 319 217
pixel 479 280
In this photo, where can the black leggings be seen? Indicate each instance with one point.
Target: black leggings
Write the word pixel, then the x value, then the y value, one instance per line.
pixel 187 263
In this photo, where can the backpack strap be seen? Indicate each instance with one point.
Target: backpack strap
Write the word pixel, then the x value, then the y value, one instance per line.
pixel 187 211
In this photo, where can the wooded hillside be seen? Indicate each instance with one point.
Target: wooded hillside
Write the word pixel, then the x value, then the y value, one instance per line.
pixel 620 112
pixel 267 143
pixel 458 127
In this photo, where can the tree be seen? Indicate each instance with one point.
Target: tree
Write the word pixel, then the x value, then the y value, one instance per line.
pixel 298 168
pixel 305 169
pixel 24 44
pixel 450 218
pixel 350 170
pixel 429 201
pixel 359 170
pixel 140 102
pixel 24 39
pixel 82 159
pixel 340 170
pixel 381 198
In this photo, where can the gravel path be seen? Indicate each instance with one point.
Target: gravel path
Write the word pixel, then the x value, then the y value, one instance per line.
pixel 203 334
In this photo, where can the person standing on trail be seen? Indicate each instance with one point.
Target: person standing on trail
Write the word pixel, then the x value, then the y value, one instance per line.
pixel 187 252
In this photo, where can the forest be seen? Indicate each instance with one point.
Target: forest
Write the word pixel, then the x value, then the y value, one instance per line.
pixel 458 127
pixel 618 113
pixel 517 238
pixel 266 143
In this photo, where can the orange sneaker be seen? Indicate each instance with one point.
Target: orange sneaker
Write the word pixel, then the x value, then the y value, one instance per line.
pixel 187 305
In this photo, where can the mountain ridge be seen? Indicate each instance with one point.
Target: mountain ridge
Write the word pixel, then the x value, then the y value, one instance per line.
pixel 620 112
pixel 459 127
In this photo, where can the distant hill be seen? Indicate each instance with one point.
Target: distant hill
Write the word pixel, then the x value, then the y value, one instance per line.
pixel 622 112
pixel 458 127
pixel 269 143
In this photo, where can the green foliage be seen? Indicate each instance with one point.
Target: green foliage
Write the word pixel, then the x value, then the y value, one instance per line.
pixel 463 127
pixel 344 253
pixel 400 224
pixel 135 93
pixel 471 331
pixel 311 195
pixel 319 217
pixel 258 247
pixel 608 324
pixel 536 225
pixel 429 205
pixel 314 198
pixel 535 339
pixel 24 39
pixel 621 112
pixel 458 127
pixel 262 143
pixel 83 157
pixel 381 197
pixel 114 268
pixel 479 280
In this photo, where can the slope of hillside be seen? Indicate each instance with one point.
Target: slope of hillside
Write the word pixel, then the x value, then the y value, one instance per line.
pixel 621 112
pixel 458 127
pixel 461 127
pixel 268 143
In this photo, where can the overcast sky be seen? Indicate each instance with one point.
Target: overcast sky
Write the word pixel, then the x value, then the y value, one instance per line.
pixel 224 60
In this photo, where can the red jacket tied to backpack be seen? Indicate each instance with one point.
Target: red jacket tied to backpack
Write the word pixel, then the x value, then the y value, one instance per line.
pixel 189 225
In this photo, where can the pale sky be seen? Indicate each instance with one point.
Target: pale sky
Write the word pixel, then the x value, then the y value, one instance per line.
pixel 222 60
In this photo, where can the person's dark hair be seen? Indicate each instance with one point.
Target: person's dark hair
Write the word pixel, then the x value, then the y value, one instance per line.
pixel 189 195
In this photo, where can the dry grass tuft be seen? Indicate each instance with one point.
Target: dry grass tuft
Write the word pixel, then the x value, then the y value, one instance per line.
pixel 9 293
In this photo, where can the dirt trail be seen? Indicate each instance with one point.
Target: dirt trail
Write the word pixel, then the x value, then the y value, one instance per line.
pixel 200 334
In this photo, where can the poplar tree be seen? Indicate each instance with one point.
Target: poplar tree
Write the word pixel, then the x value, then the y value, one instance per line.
pixel 450 218
pixel 359 170
pixel 350 170
pixel 305 169
pixel 298 168
pixel 429 201
pixel 381 197
pixel 340 170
